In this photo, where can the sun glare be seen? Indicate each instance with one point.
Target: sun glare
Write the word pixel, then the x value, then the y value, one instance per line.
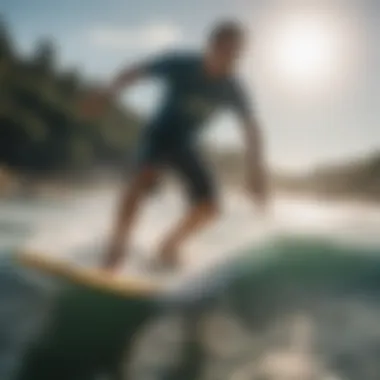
pixel 305 52
pixel 306 49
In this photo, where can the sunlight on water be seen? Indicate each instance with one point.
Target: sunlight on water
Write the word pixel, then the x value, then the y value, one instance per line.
pixel 86 220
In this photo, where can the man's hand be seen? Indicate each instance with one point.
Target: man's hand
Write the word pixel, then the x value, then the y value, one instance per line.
pixel 95 105
pixel 257 175
pixel 258 187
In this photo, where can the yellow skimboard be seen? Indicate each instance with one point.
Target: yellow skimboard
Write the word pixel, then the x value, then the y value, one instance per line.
pixel 127 285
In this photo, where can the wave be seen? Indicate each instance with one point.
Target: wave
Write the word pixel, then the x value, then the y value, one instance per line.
pixel 334 288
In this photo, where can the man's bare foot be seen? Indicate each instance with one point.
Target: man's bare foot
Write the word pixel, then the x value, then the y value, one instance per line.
pixel 168 257
pixel 113 258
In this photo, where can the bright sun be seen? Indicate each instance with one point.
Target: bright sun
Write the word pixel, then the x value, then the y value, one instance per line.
pixel 304 51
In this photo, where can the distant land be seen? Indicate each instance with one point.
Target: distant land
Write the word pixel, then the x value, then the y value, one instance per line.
pixel 357 179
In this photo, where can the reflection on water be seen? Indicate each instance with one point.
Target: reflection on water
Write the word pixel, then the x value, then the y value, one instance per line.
pixel 270 328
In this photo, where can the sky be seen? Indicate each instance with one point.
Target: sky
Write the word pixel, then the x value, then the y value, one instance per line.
pixel 312 67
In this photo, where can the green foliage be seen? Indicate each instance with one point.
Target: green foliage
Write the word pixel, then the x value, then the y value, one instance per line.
pixel 41 129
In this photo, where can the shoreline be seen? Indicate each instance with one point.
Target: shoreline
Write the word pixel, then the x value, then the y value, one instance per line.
pixel 23 187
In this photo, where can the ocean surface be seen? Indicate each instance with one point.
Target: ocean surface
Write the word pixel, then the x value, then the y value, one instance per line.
pixel 306 307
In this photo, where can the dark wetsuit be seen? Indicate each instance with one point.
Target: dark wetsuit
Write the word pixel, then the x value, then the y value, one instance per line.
pixel 192 98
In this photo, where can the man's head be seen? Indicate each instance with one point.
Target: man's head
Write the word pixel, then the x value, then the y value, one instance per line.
pixel 225 45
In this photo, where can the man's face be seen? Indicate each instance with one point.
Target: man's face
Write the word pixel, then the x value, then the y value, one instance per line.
pixel 226 53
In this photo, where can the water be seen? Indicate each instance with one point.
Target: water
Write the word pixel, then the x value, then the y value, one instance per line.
pixel 307 306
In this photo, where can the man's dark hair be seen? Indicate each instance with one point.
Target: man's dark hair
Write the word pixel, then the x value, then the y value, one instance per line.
pixel 227 30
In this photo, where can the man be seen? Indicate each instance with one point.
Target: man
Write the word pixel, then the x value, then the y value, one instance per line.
pixel 198 85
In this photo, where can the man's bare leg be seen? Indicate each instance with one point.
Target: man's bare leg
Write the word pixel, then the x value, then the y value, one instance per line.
pixel 198 217
pixel 129 208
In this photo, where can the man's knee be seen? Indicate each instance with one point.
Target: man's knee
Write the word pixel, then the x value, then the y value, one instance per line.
pixel 210 208
pixel 138 187
pixel 203 195
pixel 144 181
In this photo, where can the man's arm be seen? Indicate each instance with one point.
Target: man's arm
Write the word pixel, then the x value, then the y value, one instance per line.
pixel 97 103
pixel 127 77
pixel 257 171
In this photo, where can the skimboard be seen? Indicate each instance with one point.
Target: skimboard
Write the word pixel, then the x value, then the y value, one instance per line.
pixel 139 283
pixel 189 283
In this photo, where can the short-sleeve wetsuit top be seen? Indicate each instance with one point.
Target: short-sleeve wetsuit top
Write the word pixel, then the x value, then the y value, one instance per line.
pixel 192 96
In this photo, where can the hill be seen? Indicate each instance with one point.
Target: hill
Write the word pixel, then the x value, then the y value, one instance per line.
pixel 41 129
pixel 355 179
pixel 359 179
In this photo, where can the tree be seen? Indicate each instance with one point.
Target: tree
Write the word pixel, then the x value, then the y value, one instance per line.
pixel 44 57
pixel 41 130
pixel 6 50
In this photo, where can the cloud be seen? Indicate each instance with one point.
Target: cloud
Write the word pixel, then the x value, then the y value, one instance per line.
pixel 148 37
